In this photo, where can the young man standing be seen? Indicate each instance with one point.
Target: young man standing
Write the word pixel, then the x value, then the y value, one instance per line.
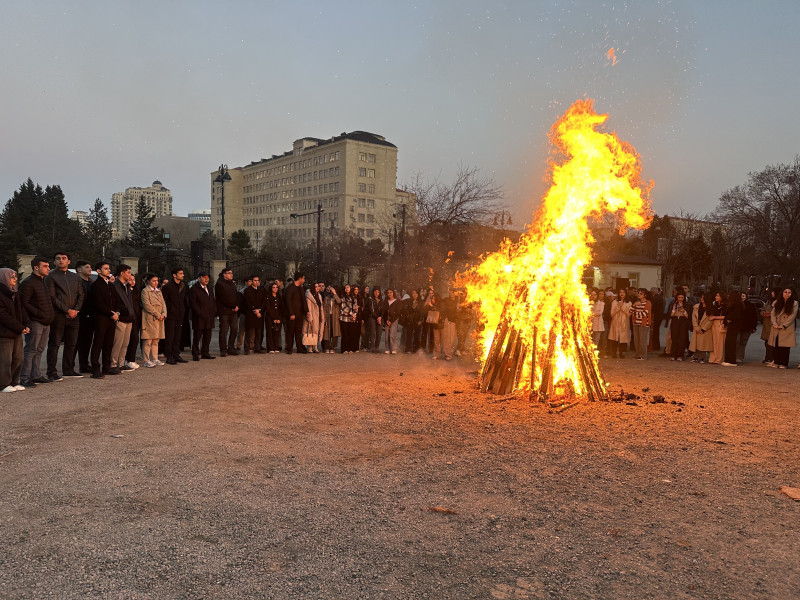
pixel 37 300
pixel 642 315
pixel 228 312
pixel 124 324
pixel 68 297
pixel 174 293
pixel 204 311
pixel 85 318
pixel 106 315
pixel 296 309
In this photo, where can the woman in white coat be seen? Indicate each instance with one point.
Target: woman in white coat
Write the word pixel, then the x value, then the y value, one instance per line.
pixel 311 326
pixel 597 306
pixel 619 332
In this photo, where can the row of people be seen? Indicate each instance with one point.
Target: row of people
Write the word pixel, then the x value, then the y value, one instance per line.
pixel 714 328
pixel 101 320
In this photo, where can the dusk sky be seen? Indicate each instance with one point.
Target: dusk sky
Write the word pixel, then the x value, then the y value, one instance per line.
pixel 100 96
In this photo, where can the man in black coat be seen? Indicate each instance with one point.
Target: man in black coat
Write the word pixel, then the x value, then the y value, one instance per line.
pixel 204 311
pixel 174 293
pixel 227 311
pixel 296 309
pixel 255 301
pixel 67 290
pixel 106 314
pixel 37 300
pixel 86 316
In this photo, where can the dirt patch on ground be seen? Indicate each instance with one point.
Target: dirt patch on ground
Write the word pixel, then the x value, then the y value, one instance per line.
pixel 365 476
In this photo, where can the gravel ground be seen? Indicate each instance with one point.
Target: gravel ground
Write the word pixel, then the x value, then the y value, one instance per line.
pixel 367 476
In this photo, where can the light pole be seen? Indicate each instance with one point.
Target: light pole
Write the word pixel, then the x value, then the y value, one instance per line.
pixel 317 212
pixel 221 179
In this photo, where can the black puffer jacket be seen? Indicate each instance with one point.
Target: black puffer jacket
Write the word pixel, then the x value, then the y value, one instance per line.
pixel 38 299
pixel 12 315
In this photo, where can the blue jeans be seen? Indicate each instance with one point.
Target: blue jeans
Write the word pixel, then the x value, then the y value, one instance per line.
pixel 35 344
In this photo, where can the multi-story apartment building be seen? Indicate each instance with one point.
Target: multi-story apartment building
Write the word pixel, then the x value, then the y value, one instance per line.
pixel 204 217
pixel 351 176
pixel 123 205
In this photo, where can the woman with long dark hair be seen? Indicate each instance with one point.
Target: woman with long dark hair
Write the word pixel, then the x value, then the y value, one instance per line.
pixel 766 325
pixel 679 326
pixel 734 321
pixel 783 318
pixel 702 342
pixel 413 320
pixel 274 318
pixel 718 332
pixel 619 333
pixel 348 321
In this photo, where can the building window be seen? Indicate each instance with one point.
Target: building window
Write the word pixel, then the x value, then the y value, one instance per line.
pixel 362 156
pixel 362 203
pixel 361 217
pixel 371 173
pixel 371 158
pixel 370 233
pixel 362 172
pixel 371 188
pixel 370 218
pixel 362 187
pixel 370 203
pixel 360 232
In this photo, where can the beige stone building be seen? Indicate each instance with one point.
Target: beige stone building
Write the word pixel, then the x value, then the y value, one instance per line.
pixel 123 205
pixel 352 176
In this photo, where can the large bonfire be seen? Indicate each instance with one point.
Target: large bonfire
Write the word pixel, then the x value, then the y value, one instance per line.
pixel 534 310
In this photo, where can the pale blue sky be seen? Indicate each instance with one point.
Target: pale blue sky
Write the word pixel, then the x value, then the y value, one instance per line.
pixel 99 96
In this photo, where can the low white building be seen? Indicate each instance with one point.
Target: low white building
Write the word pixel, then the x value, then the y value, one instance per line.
pixel 639 271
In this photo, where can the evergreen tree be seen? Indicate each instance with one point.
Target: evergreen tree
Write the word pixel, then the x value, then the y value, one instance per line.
pixel 239 244
pixel 54 229
pixel 142 234
pixel 97 230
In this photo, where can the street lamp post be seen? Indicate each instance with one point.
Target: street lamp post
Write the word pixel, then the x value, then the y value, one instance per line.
pixel 317 212
pixel 221 179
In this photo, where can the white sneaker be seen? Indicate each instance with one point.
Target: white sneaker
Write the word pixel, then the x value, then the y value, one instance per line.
pixel 727 364
pixel 19 388
pixel 9 388
pixel 394 351
pixel 457 353
pixel 132 365
pixel 387 352
pixel 149 364
pixel 158 363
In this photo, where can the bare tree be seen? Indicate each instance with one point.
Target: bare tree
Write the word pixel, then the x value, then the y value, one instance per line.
pixel 469 198
pixel 764 214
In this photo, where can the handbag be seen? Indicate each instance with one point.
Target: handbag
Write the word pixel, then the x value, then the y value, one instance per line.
pixel 433 317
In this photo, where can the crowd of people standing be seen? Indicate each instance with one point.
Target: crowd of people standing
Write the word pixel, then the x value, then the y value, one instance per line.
pixel 712 328
pixel 103 323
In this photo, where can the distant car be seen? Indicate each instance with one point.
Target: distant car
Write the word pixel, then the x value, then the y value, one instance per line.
pixel 759 304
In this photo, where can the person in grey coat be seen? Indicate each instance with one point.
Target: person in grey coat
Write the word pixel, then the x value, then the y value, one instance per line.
pixel 68 298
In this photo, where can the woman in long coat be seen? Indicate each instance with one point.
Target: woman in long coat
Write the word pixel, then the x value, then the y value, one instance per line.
pixel 679 323
pixel 619 332
pixel 312 323
pixel 783 318
pixel 766 325
pixel 331 309
pixel 154 311
pixel 718 332
pixel 273 318
pixel 702 342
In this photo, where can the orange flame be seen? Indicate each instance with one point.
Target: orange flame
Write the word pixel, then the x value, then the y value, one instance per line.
pixel 538 280
pixel 612 56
